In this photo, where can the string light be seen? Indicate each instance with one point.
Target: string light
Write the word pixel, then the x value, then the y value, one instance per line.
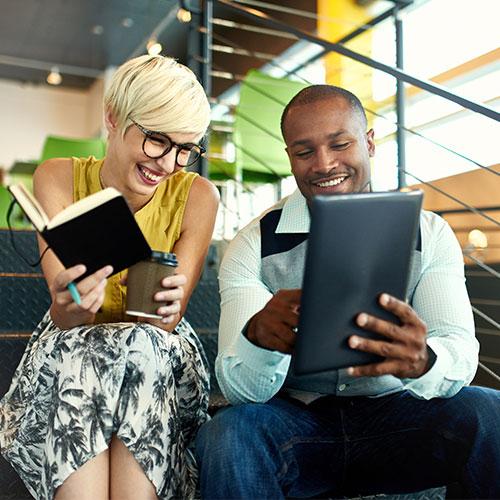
pixel 54 77
pixel 154 47
pixel 183 15
pixel 478 239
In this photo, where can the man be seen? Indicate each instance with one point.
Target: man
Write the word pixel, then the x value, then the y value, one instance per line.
pixel 404 424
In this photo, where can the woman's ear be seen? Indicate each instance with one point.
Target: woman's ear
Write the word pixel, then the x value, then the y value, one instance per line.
pixel 110 121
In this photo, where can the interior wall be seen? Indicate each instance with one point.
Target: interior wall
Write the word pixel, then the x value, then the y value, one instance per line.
pixel 337 19
pixel 478 188
pixel 31 112
pixel 95 123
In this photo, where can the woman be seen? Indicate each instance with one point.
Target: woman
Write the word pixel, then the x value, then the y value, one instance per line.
pixel 102 406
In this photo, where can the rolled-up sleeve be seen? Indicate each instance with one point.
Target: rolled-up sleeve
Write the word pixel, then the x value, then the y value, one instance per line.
pixel 245 372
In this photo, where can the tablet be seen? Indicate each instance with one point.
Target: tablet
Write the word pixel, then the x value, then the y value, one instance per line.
pixel 360 245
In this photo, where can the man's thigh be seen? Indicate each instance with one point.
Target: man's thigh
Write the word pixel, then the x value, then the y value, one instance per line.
pixel 400 443
pixel 395 443
pixel 303 449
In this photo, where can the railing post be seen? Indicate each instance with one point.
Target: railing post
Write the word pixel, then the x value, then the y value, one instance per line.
pixel 400 99
pixel 200 56
pixel 206 67
pixel 206 42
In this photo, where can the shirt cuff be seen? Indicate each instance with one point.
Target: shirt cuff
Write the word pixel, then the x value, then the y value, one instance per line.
pixel 257 358
pixel 427 386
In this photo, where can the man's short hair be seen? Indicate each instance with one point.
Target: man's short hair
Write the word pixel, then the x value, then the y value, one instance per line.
pixel 160 94
pixel 315 93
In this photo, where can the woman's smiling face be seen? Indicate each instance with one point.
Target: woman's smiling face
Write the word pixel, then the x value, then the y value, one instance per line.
pixel 137 172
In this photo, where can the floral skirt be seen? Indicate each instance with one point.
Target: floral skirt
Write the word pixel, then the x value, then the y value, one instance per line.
pixel 75 388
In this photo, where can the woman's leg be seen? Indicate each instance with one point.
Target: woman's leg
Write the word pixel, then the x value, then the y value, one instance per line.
pixel 89 482
pixel 127 479
pixel 113 474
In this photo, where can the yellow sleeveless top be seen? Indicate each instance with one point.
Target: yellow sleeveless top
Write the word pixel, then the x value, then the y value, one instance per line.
pixel 160 221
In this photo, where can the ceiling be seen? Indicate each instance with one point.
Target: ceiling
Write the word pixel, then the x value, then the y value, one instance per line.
pixel 84 37
pixel 87 35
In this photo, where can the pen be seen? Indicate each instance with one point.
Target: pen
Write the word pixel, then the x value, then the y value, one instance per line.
pixel 74 293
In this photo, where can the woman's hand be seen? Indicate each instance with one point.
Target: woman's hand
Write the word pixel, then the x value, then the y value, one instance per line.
pixel 64 311
pixel 170 298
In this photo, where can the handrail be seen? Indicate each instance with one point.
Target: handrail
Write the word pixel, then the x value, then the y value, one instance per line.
pixel 431 87
pixel 350 36
pixel 487 318
pixel 467 206
pixel 379 115
pixel 435 188
pixel 484 266
pixel 336 47
pixel 489 371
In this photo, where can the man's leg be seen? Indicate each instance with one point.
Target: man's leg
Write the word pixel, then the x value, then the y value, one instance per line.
pixel 400 444
pixel 269 450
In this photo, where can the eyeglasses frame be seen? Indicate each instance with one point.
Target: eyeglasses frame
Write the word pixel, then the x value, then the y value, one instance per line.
pixel 149 133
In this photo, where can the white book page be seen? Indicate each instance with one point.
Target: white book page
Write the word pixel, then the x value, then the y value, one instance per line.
pixel 82 206
pixel 30 206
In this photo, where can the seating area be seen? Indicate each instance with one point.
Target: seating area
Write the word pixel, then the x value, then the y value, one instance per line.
pixel 25 298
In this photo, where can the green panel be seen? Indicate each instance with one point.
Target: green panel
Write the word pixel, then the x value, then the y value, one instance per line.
pixel 220 170
pixel 260 177
pixel 17 220
pixel 257 134
pixel 63 147
pixel 22 172
pixel 23 167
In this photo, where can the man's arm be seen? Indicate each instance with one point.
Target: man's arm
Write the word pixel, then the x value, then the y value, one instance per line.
pixel 439 322
pixel 245 371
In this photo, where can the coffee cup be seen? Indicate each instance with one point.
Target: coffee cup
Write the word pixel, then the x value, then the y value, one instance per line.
pixel 144 280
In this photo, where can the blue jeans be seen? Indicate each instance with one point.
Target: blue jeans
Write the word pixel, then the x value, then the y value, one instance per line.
pixel 352 446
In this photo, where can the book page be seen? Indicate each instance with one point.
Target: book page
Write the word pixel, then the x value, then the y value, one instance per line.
pixel 83 205
pixel 30 206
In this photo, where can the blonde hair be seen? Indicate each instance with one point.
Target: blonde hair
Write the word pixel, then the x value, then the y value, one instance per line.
pixel 158 93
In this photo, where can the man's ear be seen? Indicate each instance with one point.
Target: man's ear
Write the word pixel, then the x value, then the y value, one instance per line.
pixel 110 121
pixel 370 142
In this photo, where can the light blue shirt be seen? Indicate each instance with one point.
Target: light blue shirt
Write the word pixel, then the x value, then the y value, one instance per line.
pixel 248 373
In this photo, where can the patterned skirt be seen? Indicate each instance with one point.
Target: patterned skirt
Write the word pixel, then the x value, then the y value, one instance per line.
pixel 75 388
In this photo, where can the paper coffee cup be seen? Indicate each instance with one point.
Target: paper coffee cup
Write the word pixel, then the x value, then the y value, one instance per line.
pixel 144 280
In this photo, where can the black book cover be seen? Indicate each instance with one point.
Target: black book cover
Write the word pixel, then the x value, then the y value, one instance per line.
pixel 105 235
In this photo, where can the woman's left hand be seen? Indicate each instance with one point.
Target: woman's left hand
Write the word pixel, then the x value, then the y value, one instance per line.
pixel 170 298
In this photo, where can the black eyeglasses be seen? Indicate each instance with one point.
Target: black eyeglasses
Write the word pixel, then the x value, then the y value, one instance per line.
pixel 157 144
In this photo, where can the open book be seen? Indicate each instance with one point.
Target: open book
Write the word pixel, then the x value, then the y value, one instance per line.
pixel 96 231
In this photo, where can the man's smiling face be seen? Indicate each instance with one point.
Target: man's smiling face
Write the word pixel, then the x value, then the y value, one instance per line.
pixel 328 147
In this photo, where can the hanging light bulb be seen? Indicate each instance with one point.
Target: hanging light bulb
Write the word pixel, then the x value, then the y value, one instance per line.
pixel 183 15
pixel 154 47
pixel 478 239
pixel 54 77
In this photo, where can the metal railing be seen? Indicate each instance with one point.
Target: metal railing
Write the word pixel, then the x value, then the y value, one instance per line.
pixel 276 27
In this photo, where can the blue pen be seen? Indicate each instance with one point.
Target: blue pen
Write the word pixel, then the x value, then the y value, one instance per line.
pixel 74 293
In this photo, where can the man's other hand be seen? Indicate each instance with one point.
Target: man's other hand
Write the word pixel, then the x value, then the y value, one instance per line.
pixel 405 350
pixel 274 326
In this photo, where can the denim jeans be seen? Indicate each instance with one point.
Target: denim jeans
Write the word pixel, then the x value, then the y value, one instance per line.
pixel 352 446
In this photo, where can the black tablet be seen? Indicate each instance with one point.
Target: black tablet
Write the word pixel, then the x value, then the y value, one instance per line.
pixel 360 245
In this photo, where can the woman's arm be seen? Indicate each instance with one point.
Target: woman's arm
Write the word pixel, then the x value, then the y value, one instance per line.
pixel 191 249
pixel 53 188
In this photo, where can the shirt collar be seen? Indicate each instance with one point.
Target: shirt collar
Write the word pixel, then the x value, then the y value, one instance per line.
pixel 295 215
